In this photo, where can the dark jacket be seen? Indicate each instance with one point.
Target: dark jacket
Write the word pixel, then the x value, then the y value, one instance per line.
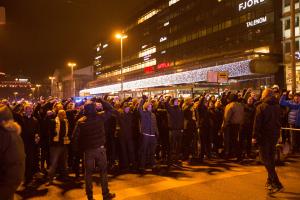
pixel 249 114
pixel 175 117
pixel 189 118
pixel 30 127
pixel 148 121
pixel 12 159
pixel 267 121
pixel 125 122
pixel 89 132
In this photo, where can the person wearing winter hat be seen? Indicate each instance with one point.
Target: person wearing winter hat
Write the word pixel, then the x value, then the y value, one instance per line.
pixel 12 155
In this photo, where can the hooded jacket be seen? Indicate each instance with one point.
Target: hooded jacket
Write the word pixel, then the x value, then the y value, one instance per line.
pixel 12 159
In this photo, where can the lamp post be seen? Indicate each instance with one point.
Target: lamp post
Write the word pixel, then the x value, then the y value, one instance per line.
pixel 72 65
pixel 38 89
pixel 52 80
pixel 121 37
pixel 15 94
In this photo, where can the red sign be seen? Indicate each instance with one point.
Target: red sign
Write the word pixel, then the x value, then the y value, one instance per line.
pixel 149 70
pixel 163 65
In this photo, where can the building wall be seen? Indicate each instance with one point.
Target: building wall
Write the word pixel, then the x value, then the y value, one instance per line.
pixel 172 36
pixel 286 43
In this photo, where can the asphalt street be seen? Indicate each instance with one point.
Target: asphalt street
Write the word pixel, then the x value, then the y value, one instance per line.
pixel 213 180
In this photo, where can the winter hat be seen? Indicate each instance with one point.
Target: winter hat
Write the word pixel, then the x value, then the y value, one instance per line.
pixel 90 108
pixel 5 113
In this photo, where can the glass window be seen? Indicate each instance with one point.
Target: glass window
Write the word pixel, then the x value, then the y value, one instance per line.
pixel 287 24
pixel 228 24
pixel 287 3
pixel 297 21
pixel 287 47
pixel 297 45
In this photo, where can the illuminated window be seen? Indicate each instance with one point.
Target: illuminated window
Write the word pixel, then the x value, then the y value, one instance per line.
pixel 147 52
pixel 171 2
pixel 148 16
pixel 130 68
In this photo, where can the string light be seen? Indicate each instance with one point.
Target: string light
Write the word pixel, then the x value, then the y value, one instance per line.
pixel 236 69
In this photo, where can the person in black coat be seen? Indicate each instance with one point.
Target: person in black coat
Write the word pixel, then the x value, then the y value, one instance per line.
pixel 12 154
pixel 176 125
pixel 125 119
pixel 31 137
pixel 247 128
pixel 163 147
pixel 190 128
pixel 266 132
pixel 205 128
pixel 89 137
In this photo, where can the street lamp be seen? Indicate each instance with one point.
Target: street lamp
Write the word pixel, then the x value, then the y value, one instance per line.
pixel 52 79
pixel 121 37
pixel 38 89
pixel 72 65
pixel 32 89
pixel 15 94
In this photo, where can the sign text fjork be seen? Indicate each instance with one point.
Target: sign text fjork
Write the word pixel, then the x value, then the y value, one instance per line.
pixel 249 3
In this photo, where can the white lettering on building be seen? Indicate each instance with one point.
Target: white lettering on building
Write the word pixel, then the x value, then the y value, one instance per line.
pixel 249 3
pixel 257 21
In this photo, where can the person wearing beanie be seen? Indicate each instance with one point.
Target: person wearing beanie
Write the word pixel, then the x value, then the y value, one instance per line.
pixel 89 137
pixel 12 155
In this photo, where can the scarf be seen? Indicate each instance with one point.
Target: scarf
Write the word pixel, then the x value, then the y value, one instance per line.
pixel 57 130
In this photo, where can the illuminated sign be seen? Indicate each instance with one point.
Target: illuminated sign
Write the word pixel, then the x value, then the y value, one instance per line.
pixel 163 39
pixel 248 4
pixel 171 2
pixel 257 21
pixel 149 70
pixel 163 65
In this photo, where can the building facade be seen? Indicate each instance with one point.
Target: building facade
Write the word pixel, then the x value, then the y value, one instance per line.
pixel 63 83
pixel 286 42
pixel 177 43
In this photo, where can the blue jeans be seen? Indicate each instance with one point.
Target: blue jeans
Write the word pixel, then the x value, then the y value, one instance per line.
pixel 91 157
pixel 58 153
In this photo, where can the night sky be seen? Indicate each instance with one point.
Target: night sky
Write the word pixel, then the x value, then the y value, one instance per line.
pixel 41 35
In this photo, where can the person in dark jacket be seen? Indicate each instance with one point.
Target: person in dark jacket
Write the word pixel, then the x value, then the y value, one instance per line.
pixel 190 128
pixel 89 137
pixel 12 155
pixel 31 137
pixel 125 118
pixel 149 132
pixel 175 124
pixel 205 127
pixel 266 132
pixel 247 128
pixel 163 147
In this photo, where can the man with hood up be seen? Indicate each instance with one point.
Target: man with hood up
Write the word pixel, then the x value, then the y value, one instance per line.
pixel 266 132
pixel 12 155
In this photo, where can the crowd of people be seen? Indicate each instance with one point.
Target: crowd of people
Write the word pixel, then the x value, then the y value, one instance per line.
pixel 136 134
